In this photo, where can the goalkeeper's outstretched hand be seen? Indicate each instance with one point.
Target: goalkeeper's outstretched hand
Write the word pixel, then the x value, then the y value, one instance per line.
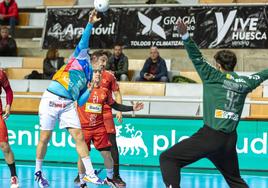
pixel 181 27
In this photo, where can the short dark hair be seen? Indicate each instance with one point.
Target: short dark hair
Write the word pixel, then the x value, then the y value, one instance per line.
pixel 118 43
pixel 227 59
pixel 107 53
pixel 4 28
pixel 97 53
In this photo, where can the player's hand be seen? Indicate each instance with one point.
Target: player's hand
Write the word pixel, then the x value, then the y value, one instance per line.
pixel 1 17
pixel 119 117
pixel 138 106
pixel 93 17
pixel 7 112
pixel 181 27
pixel 91 85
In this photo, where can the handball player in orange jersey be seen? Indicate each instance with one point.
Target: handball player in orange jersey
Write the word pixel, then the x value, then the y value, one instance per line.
pixel 92 123
pixel 109 81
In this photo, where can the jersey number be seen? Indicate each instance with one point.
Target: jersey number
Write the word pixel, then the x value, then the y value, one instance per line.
pixel 232 98
pixel 95 99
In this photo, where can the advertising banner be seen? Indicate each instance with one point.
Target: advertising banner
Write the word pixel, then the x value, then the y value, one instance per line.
pixel 140 141
pixel 142 27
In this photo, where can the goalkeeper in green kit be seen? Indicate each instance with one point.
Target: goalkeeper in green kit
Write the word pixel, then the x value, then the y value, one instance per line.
pixel 224 94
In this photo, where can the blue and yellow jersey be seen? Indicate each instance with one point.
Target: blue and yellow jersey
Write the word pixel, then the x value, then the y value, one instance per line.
pixel 72 79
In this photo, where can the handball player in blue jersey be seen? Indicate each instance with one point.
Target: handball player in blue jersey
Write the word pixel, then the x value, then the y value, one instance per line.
pixel 69 85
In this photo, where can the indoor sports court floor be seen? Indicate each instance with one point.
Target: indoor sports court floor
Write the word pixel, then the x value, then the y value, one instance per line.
pixel 136 177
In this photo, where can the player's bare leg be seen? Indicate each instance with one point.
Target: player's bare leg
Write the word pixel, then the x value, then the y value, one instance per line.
pixel 41 150
pixel 83 152
pixel 9 158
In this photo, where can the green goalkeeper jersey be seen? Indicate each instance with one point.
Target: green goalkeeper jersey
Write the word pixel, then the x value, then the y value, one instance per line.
pixel 224 93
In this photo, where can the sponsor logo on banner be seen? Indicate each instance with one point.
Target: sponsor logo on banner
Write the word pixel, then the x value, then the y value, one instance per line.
pixel 243 30
pixel 256 145
pixel 171 21
pixel 210 27
pixel 70 32
pixel 156 27
pixel 151 25
pixel 161 142
pixel 130 145
pixel 142 140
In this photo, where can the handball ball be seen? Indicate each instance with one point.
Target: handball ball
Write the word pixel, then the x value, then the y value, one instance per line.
pixel 101 5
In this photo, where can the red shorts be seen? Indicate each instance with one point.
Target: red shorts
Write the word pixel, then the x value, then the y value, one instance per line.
pixel 109 121
pixel 3 130
pixel 109 126
pixel 98 136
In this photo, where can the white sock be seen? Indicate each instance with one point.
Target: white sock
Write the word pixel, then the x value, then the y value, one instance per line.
pixel 81 178
pixel 88 165
pixel 38 165
pixel 110 173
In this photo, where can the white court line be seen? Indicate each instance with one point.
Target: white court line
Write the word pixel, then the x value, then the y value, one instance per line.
pixel 158 171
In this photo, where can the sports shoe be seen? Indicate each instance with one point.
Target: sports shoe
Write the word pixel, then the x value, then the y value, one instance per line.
pixel 110 182
pixel 41 180
pixel 14 182
pixel 84 185
pixel 118 181
pixel 77 179
pixel 93 178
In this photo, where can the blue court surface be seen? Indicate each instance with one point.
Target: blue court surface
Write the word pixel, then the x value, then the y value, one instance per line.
pixel 62 177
